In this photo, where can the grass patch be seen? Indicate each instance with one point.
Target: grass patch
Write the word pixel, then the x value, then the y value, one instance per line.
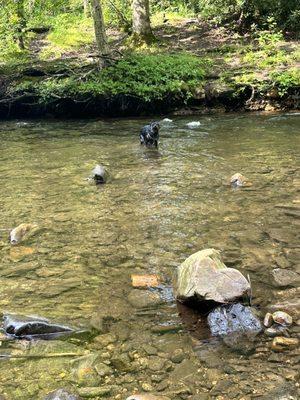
pixel 71 31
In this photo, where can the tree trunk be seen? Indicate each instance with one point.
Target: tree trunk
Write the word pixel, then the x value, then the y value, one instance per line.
pixel 141 27
pixel 20 28
pixel 86 8
pixel 100 34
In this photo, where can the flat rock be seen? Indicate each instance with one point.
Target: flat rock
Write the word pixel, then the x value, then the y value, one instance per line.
pixel 285 277
pixel 236 318
pixel 61 394
pixel 144 280
pixel 281 343
pixel 91 392
pixel 22 327
pixel 143 298
pixel 288 301
pixel 205 277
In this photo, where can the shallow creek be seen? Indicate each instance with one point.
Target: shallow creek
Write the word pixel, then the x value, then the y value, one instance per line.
pixel 158 208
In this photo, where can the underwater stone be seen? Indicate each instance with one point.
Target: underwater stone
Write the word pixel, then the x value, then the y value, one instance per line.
pixel 236 318
pixel 61 394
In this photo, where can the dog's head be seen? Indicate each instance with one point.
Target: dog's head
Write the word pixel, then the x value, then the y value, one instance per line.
pixel 155 127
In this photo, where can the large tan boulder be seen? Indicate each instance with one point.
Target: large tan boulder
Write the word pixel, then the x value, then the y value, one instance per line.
pixel 203 276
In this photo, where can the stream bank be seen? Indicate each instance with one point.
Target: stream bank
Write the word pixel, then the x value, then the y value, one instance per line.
pixel 38 93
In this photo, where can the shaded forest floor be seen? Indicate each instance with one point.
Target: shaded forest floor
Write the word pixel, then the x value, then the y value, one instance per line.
pixel 257 71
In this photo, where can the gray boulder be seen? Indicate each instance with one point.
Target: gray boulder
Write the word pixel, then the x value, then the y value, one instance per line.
pixel 204 277
pixel 62 394
pixel 232 319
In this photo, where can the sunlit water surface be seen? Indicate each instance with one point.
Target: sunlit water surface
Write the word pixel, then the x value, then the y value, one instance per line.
pixel 158 208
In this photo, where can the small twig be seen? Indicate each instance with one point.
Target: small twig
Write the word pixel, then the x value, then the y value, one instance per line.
pixel 250 295
pixel 252 95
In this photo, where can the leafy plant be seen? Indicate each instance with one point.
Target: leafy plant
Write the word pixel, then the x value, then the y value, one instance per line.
pixel 149 77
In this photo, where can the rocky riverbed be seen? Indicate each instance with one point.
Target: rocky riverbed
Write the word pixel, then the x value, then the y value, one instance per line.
pixel 157 210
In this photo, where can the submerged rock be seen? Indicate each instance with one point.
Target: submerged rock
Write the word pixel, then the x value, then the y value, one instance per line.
pixel 149 280
pixel 277 330
pixel 20 232
pixel 21 327
pixel 204 277
pixel 61 394
pixel 284 277
pixel 236 318
pixel 99 174
pixel 143 298
pixel 95 392
pixel 147 397
pixel 288 301
pixel 283 343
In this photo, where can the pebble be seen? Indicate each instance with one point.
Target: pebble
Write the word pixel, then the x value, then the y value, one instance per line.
pixel 147 387
pixel 282 318
pixel 282 343
pixel 177 356
pixel 268 320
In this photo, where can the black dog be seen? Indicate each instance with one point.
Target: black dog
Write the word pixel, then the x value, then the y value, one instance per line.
pixel 149 135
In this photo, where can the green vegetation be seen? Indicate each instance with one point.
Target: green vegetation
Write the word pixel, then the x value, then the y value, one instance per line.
pixel 150 77
pixel 238 44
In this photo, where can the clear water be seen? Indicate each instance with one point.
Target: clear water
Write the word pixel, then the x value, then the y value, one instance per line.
pixel 157 209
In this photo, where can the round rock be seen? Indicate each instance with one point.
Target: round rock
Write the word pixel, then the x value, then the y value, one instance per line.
pixel 282 318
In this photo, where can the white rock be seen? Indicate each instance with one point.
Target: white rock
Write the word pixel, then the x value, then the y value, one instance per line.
pixel 193 124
